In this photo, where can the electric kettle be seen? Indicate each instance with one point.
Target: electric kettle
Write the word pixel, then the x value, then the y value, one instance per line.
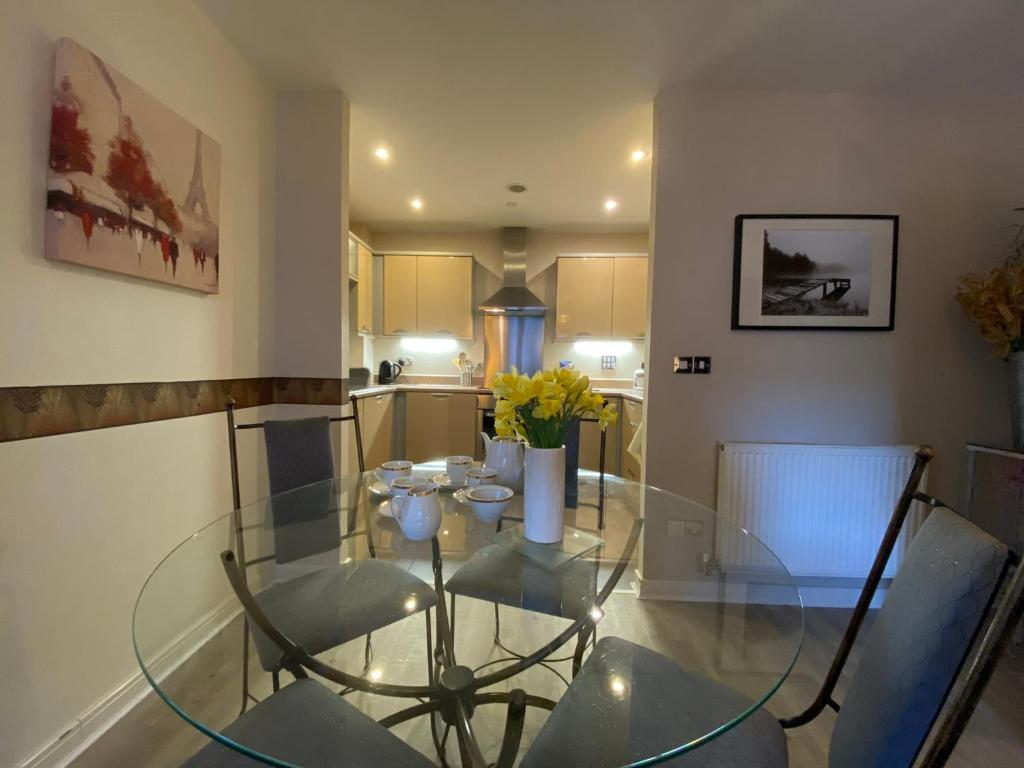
pixel 388 372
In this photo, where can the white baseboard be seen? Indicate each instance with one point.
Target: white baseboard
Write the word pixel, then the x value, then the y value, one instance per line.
pixel 106 712
pixel 815 592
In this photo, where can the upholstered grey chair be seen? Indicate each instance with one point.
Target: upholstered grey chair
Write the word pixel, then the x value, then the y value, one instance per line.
pixel 306 724
pixel 353 599
pixel 924 632
pixel 503 577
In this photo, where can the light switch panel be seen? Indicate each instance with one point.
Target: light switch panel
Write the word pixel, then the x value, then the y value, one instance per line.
pixel 608 362
pixel 682 364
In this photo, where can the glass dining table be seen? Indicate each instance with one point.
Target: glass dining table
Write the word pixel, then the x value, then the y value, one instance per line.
pixel 473 647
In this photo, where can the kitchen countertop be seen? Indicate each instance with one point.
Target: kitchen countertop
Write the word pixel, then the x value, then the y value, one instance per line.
pixel 636 395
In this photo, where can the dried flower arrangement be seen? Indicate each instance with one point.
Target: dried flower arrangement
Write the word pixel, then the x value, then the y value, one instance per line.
pixel 995 302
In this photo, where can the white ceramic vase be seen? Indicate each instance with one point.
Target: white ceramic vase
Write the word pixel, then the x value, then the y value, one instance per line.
pixel 544 494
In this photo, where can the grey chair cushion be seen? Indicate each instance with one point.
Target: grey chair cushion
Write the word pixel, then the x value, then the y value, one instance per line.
pixel 657 707
pixel 334 605
pixel 919 640
pixel 306 724
pixel 499 575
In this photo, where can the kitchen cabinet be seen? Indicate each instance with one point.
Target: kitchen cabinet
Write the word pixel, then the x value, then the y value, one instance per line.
pixel 428 295
pixel 584 297
pixel 376 422
pixel 444 296
pixel 439 424
pixel 400 295
pixel 629 297
pixel 590 443
pixel 353 258
pixel 364 292
pixel 630 416
pixel 601 297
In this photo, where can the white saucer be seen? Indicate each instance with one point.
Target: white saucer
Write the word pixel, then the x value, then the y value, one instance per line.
pixel 385 509
pixel 445 484
pixel 377 488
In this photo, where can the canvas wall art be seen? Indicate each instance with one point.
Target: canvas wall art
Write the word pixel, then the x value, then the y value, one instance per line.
pixel 132 186
pixel 802 272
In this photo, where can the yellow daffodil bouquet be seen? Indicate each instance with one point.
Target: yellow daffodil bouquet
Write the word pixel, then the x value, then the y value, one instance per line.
pixel 543 408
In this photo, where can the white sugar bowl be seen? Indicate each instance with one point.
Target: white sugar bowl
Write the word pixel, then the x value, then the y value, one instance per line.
pixel 489 501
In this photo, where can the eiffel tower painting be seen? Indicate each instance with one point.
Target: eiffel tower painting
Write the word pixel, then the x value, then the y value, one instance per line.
pixel 120 196
pixel 196 189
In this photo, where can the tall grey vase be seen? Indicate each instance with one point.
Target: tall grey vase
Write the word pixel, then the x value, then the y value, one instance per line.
pixel 1015 376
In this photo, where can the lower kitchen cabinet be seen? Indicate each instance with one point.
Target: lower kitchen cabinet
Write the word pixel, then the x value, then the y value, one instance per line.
pixel 376 422
pixel 630 416
pixel 439 424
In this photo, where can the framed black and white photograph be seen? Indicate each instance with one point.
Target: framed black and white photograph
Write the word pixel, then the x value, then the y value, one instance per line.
pixel 813 272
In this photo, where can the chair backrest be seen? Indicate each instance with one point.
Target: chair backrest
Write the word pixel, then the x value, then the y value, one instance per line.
pixel 922 636
pixel 298 452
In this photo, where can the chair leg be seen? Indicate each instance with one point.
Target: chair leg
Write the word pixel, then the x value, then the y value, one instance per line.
pixel 497 626
pixel 275 677
pixel 452 623
pixel 367 653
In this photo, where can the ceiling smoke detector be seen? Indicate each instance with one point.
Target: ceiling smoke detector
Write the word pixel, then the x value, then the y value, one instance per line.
pixel 511 204
pixel 516 188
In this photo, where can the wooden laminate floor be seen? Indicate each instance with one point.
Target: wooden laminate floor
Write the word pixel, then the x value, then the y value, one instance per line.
pixel 207 684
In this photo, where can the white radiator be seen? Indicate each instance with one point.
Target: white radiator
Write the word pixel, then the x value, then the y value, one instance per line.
pixel 822 509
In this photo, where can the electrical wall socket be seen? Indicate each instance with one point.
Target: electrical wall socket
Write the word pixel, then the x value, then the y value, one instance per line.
pixel 608 362
pixel 680 528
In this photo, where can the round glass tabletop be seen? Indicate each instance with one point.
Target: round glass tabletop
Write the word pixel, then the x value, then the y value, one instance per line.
pixel 244 625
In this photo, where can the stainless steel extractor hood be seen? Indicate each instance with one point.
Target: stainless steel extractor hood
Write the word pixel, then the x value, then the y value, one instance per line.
pixel 514 298
pixel 513 317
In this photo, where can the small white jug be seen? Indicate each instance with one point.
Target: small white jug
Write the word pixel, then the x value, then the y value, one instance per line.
pixel 418 512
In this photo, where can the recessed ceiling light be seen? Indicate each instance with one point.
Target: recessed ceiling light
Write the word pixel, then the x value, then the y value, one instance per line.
pixel 511 204
pixel 383 154
pixel 638 155
pixel 610 204
pixel 416 203
pixel 516 188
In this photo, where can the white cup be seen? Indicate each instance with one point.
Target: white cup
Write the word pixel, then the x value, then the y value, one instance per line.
pixel 456 467
pixel 401 486
pixel 489 501
pixel 481 476
pixel 418 512
pixel 390 470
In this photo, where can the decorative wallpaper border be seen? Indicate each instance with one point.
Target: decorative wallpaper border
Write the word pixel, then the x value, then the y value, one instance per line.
pixel 27 412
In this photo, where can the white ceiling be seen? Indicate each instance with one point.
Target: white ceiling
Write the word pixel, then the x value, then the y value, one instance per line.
pixel 473 94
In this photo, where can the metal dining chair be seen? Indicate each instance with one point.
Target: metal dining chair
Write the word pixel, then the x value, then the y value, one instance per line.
pixel 941 605
pixel 500 576
pixel 364 596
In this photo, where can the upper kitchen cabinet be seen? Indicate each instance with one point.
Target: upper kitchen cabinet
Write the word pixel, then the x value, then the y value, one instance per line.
pixel 629 298
pixel 400 295
pixel 444 294
pixel 364 293
pixel 601 297
pixel 428 295
pixel 584 297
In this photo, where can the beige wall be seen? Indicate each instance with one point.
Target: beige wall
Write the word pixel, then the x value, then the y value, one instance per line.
pixel 543 248
pixel 311 280
pixel 949 170
pixel 84 517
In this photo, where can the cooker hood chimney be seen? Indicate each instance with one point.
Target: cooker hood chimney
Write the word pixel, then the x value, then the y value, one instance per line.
pixel 514 298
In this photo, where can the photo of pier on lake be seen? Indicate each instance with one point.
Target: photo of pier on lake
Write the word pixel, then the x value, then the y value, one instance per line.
pixel 816 272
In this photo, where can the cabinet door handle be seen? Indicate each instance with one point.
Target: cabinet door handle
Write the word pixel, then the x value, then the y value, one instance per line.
pixel 379 398
pixel 441 395
pixel 444 330
pixel 399 330
pixel 582 333
pixel 641 335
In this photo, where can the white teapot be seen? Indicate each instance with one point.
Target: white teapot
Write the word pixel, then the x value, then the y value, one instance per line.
pixel 505 456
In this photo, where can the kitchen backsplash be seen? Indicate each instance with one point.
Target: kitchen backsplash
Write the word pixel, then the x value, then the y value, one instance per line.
pixel 628 355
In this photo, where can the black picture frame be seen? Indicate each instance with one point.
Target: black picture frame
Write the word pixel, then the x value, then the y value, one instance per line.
pixel 741 221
